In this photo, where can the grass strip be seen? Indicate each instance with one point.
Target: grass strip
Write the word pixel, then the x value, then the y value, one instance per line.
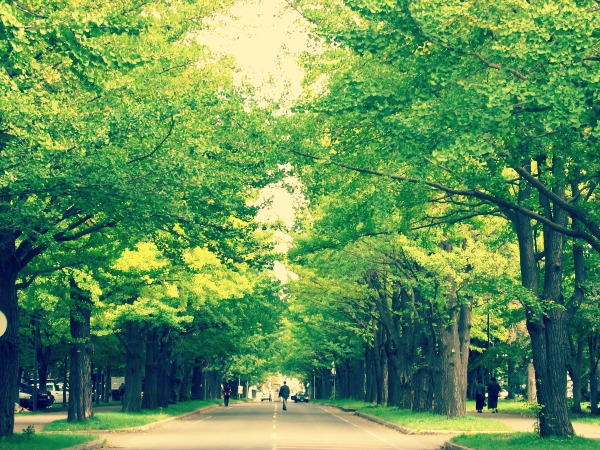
pixel 524 441
pixel 41 441
pixel 422 420
pixel 114 420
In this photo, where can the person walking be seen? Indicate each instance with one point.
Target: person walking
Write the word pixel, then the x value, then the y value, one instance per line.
pixel 493 392
pixel 284 393
pixel 479 396
pixel 226 393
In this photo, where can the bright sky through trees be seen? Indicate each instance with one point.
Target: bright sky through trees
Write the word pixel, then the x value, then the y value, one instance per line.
pixel 265 37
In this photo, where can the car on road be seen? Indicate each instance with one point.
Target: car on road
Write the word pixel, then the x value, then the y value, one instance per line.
pixel 44 398
pixel 300 397
pixel 266 396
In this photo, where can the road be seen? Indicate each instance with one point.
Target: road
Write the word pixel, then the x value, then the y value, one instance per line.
pixel 264 426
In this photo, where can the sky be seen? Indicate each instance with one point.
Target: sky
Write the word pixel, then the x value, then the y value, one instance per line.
pixel 266 37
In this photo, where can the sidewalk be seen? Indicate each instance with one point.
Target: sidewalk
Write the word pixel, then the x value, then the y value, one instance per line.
pixel 516 422
pixel 527 424
pixel 43 418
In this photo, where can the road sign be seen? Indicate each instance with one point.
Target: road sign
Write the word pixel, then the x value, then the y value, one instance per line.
pixel 3 323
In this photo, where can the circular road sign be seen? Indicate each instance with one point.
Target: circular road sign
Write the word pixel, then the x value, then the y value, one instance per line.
pixel 3 323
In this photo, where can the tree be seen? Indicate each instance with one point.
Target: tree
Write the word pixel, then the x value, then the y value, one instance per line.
pixel 110 121
pixel 477 106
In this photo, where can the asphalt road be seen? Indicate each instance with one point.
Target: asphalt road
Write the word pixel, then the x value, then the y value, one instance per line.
pixel 264 426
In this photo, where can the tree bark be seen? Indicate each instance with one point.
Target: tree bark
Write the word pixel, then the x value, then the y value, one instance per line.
pixel 547 328
pixel 357 379
pixel 150 398
pixel 393 385
pixel 531 384
pixel 80 382
pixel 451 359
pixel 378 366
pixel 371 383
pixel 164 365
pixel 197 381
pixel 576 370
pixel 422 386
pixel 9 342
pixel 134 345
pixel 594 369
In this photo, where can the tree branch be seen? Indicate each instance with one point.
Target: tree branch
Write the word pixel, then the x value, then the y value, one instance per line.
pixel 482 59
pixel 158 146
pixel 63 237
pixel 590 239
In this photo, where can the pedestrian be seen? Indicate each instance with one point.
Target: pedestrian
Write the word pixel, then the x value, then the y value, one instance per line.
pixel 122 392
pixel 284 393
pixel 479 396
pixel 226 393
pixel 493 392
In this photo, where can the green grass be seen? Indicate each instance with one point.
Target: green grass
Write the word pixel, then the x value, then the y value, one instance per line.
pixel 41 441
pixel 113 420
pixel 525 441
pixel 422 420
pixel 585 417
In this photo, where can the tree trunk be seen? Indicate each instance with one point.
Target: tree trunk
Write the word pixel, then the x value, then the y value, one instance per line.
pixel 357 379
pixel 9 342
pixel 451 359
pixel 107 385
pixel 185 388
pixel 150 398
pixel 548 347
pixel 594 369
pixel 407 347
pixel 197 381
pixel 175 378
pixel 576 371
pixel 393 385
pixel 531 385
pixel 80 382
pixel 164 383
pixel 548 330
pixel 43 356
pixel 134 345
pixel 371 383
pixel 422 385
pixel 378 366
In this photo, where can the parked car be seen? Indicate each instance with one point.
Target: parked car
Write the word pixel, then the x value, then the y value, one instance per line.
pixel 300 397
pixel 44 398
pixel 55 388
pixel 266 395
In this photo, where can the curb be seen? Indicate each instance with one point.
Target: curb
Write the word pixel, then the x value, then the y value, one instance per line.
pixel 451 446
pixel 406 430
pixel 99 443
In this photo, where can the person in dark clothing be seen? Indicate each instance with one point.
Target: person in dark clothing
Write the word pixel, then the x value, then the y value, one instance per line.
pixel 122 392
pixel 284 393
pixel 493 392
pixel 226 393
pixel 479 396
